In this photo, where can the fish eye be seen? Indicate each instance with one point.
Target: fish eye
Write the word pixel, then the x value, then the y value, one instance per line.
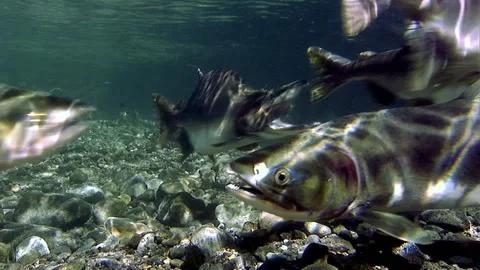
pixel 282 176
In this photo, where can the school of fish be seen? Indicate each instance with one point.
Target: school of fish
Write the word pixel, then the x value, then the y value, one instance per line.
pixel 372 166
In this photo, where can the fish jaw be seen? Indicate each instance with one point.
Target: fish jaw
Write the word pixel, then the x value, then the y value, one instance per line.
pixel 294 181
pixel 34 125
pixel 252 194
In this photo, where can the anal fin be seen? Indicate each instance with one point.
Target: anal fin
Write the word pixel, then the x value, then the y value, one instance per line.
pixel 394 225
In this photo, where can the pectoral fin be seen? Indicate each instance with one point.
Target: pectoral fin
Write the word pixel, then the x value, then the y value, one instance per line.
pixel 394 225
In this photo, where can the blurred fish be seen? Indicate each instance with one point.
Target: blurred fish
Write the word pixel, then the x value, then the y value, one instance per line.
pixel 34 124
pixel 222 114
pixel 372 166
pixel 440 58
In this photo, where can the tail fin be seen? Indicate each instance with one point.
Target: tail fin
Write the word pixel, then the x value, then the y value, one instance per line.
pixel 358 14
pixel 331 72
pixel 169 128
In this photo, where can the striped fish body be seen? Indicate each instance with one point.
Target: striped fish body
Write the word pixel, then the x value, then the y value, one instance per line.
pixel 372 166
pixel 33 124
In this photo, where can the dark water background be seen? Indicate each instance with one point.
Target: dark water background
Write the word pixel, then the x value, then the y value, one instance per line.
pixel 115 53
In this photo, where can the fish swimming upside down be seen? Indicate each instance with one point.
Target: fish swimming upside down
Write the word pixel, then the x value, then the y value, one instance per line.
pixel 372 166
pixel 222 114
pixel 34 124
pixel 440 58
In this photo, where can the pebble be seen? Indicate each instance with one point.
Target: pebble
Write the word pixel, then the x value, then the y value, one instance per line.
pixel 56 210
pixel 210 240
pixel 453 220
pixel 31 249
pixel 317 228
pixel 90 194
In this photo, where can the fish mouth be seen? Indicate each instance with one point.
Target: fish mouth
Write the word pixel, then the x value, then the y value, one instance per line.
pixel 264 200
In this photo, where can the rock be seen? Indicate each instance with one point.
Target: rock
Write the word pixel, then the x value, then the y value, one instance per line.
pixel 79 176
pixel 177 252
pixel 90 194
pixel 153 184
pixel 210 240
pixel 136 189
pixel 475 213
pixel 176 263
pixel 146 243
pixel 56 210
pixel 57 240
pixel 235 215
pixel 31 249
pixel 5 250
pixel 183 210
pixel 411 252
pixel 314 253
pixel 110 207
pixel 274 223
pixel 454 220
pixel 124 229
pixel 318 229
pixel 338 245
pixel 9 202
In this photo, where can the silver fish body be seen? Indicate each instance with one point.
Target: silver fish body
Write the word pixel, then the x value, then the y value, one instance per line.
pixel 372 166
pixel 438 62
pixel 222 114
pixel 34 124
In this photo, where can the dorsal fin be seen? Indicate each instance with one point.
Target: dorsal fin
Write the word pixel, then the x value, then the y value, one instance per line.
pixel 199 71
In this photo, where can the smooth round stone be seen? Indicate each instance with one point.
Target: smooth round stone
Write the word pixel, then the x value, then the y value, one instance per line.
pixel 145 243
pixel 123 228
pixel 269 221
pixel 90 194
pixel 136 189
pixel 153 184
pixel 31 249
pixel 181 210
pixel 110 207
pixel 210 240
pixel 317 228
pixel 56 210
pixel 236 215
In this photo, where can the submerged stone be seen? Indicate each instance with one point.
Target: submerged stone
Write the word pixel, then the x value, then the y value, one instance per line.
pixel 210 240
pixel 31 249
pixel 56 210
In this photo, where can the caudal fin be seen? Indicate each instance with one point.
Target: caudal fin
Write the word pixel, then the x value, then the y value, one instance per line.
pixel 358 14
pixel 331 71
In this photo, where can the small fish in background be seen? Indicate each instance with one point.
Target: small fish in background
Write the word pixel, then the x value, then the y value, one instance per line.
pixel 34 124
pixel 223 113
pixel 372 166
pixel 439 61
